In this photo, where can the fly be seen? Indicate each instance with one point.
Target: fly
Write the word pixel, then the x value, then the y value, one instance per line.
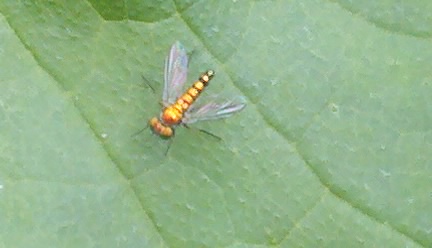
pixel 179 105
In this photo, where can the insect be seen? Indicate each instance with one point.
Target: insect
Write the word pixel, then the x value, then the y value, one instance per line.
pixel 179 107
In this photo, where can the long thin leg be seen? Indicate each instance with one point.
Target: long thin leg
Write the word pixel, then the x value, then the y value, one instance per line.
pixel 148 83
pixel 211 134
pixel 140 131
pixel 190 56
pixel 204 131
pixel 170 141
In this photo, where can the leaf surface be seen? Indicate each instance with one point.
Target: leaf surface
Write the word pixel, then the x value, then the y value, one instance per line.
pixel 333 149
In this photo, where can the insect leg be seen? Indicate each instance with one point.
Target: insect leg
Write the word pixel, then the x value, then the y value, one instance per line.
pixel 204 131
pixel 140 131
pixel 170 141
pixel 148 83
pixel 190 56
pixel 211 134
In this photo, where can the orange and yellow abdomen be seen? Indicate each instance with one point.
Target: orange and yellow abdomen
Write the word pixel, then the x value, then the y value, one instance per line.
pixel 173 114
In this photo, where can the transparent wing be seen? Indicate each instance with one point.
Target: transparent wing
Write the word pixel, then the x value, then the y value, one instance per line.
pixel 176 65
pixel 216 108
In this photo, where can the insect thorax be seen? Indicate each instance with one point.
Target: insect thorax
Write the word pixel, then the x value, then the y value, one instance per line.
pixel 172 115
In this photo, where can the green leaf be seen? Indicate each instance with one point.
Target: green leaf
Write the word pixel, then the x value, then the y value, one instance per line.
pixel 333 149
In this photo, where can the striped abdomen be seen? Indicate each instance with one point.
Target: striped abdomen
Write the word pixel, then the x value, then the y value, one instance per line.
pixel 172 115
